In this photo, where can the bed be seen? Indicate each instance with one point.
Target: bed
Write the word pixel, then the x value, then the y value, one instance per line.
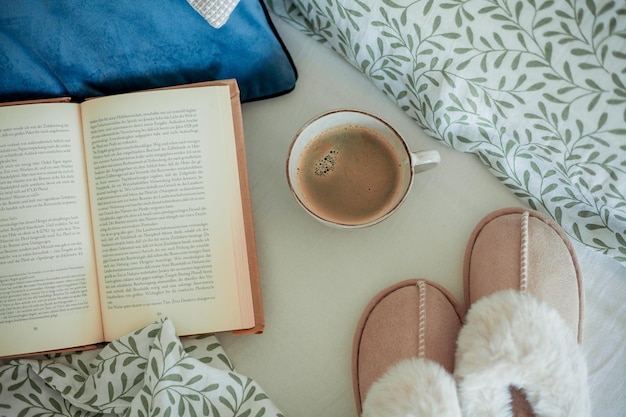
pixel 531 114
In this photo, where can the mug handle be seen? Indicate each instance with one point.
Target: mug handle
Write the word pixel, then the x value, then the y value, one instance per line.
pixel 424 160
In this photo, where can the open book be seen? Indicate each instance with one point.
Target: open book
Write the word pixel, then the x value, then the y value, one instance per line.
pixel 121 210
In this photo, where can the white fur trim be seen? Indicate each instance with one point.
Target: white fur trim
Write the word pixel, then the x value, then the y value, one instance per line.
pixel 413 388
pixel 513 339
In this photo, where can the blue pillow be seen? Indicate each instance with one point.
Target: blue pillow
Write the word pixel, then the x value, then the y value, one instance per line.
pixel 80 49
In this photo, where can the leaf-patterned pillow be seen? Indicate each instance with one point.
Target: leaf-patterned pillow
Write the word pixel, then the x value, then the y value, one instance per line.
pixel 149 372
pixel 537 89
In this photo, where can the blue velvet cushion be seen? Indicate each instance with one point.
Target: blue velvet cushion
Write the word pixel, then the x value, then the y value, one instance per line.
pixel 61 48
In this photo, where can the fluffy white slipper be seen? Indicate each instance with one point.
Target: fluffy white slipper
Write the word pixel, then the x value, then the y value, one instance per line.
pixel 513 340
pixel 413 388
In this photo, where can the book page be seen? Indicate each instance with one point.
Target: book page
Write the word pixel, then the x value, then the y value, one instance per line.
pixel 164 181
pixel 48 290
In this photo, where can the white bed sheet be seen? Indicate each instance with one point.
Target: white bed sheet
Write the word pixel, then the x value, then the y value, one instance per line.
pixel 317 280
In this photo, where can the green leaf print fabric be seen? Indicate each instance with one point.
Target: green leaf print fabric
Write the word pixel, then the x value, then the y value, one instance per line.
pixel 535 88
pixel 147 373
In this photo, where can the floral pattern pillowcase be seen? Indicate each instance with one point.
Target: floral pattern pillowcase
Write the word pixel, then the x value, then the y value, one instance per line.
pixel 537 89
pixel 150 372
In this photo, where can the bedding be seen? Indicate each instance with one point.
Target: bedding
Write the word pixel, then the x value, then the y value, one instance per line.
pixel 150 372
pixel 537 89
pixel 67 49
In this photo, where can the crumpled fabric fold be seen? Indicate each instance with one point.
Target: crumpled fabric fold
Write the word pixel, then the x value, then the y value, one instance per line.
pixel 146 373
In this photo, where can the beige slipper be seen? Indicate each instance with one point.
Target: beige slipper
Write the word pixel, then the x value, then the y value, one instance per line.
pixel 514 248
pixel 403 352
pixel 519 352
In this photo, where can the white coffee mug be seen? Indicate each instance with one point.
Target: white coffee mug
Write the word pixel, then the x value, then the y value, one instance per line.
pixel 351 169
